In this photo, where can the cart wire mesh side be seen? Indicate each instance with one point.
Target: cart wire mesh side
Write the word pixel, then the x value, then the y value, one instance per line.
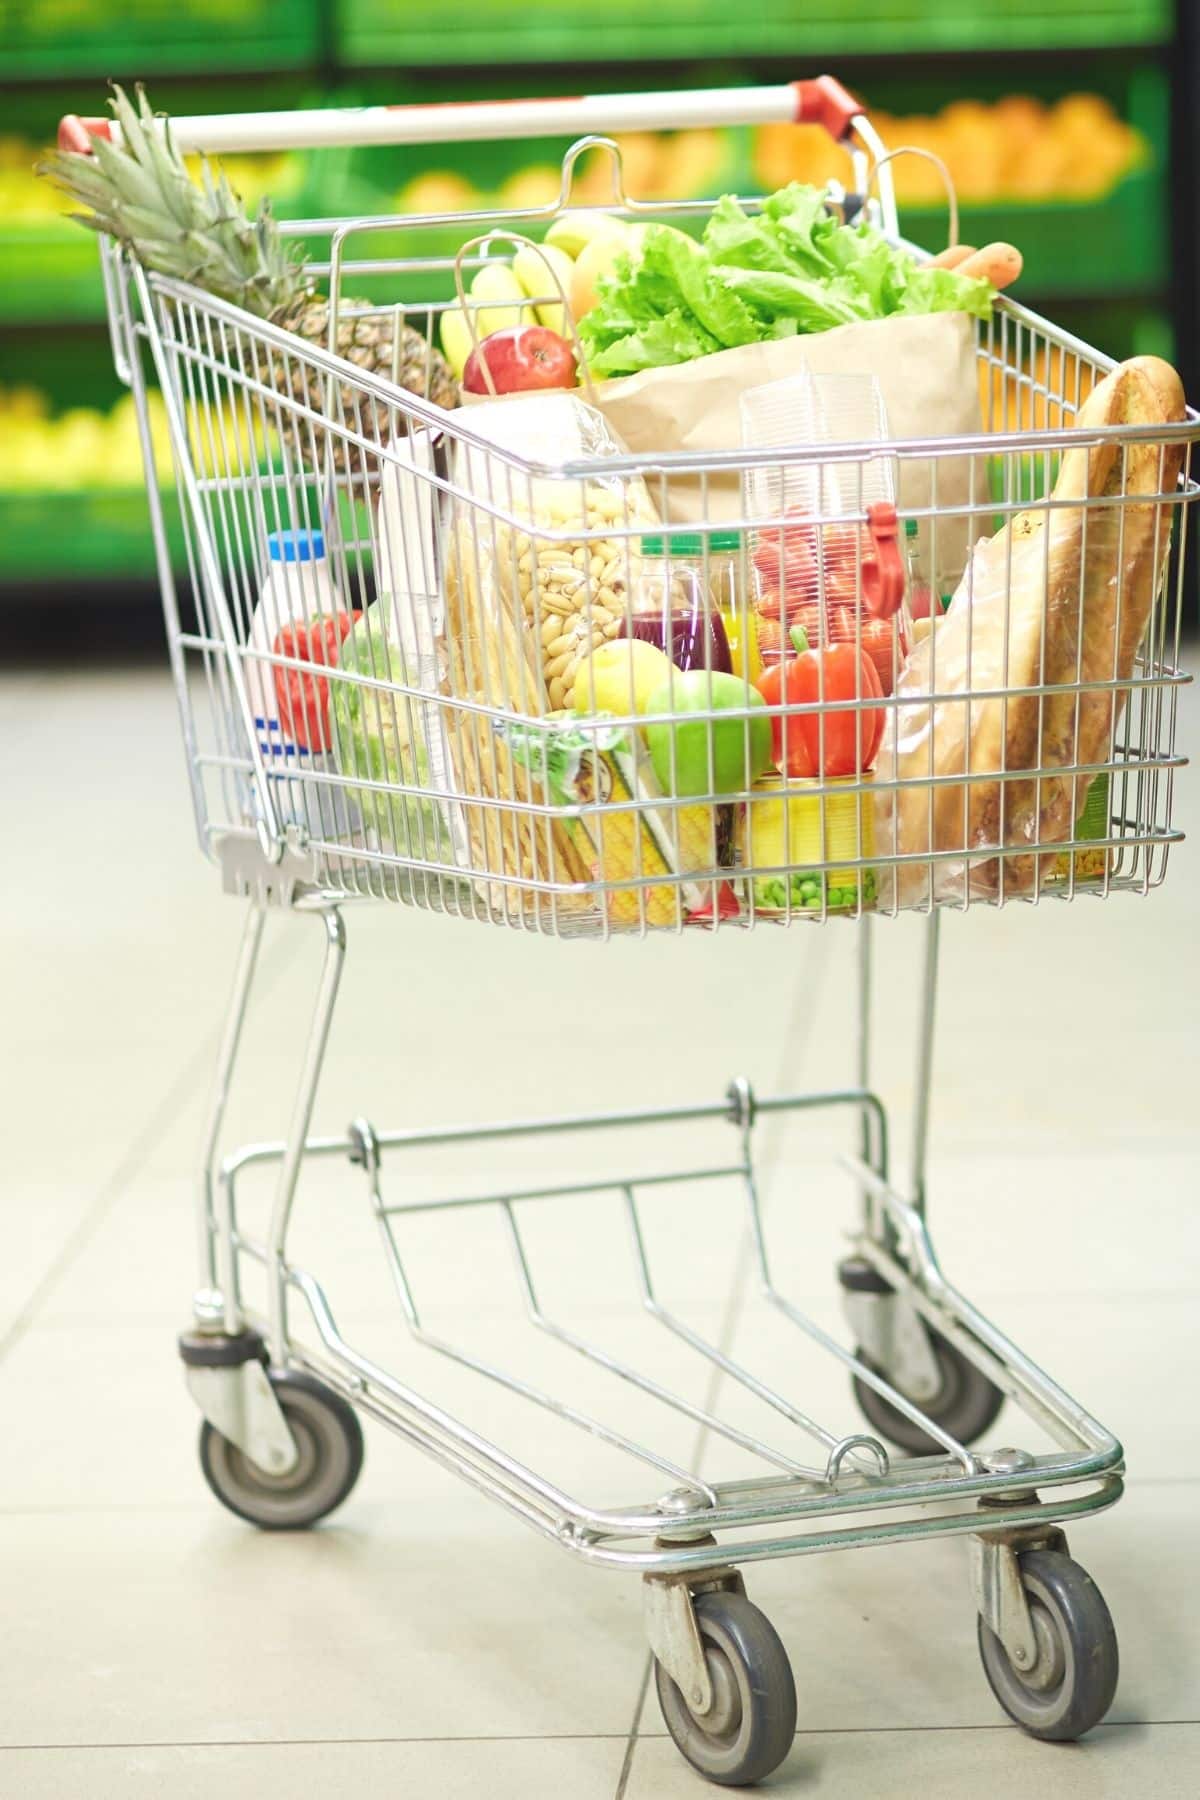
pixel 452 773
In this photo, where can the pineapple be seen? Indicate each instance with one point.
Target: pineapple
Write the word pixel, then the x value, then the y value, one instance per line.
pixel 140 193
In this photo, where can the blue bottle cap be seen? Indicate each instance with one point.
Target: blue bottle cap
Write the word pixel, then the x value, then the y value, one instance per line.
pixel 295 546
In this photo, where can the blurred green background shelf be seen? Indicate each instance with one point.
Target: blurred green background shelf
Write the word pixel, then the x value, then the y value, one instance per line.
pixel 60 39
pixel 51 272
pixel 85 535
pixel 371 32
pixel 1100 267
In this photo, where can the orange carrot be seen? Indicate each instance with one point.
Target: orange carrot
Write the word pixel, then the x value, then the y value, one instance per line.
pixel 998 263
pixel 957 253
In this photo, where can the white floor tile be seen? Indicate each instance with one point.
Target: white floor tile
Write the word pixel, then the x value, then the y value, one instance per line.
pixel 945 1765
pixel 431 1620
pixel 111 1402
pixel 1066 1144
pixel 500 1768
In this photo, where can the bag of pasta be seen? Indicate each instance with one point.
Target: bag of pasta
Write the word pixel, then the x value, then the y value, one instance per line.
pixel 538 568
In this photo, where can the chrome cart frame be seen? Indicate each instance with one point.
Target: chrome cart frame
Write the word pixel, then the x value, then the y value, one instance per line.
pixel 1007 1499
pixel 280 1386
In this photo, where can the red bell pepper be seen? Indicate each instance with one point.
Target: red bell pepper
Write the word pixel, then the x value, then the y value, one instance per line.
pixel 302 697
pixel 850 739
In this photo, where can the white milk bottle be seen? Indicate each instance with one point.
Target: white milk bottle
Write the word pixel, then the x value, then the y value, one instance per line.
pixel 301 613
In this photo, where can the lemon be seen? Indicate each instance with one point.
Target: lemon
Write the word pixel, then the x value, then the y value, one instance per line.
pixel 619 677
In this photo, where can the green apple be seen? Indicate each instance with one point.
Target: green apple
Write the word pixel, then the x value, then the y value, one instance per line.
pixel 740 748
pixel 619 677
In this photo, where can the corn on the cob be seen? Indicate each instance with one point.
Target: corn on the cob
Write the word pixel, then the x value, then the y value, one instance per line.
pixel 629 843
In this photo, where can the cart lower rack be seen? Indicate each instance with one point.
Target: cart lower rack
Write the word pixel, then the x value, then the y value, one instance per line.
pixel 281 1386
pixel 432 757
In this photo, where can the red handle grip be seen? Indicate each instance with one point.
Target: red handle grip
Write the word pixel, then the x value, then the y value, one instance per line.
pixel 824 101
pixel 883 572
pixel 76 134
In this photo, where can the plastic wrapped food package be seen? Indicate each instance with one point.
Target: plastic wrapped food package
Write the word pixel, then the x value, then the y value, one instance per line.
pixel 621 829
pixel 1058 601
pixel 394 734
pixel 540 567
pixel 537 573
pixel 988 644
pixel 388 720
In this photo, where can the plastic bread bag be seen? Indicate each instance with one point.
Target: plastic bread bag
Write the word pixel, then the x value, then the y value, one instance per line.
pixel 1048 617
pixel 389 727
pixel 389 721
pixel 406 564
pixel 813 562
pixel 620 828
pixel 539 567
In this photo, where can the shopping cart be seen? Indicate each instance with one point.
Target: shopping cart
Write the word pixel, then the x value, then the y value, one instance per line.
pixel 445 800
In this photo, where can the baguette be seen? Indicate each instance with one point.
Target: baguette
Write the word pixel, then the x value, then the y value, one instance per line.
pixel 1060 598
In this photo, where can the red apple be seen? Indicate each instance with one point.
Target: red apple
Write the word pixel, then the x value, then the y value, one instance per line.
pixel 520 356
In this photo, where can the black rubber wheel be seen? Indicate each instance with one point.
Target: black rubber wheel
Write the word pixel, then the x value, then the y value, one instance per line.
pixel 750 1726
pixel 965 1405
pixel 1071 1686
pixel 330 1442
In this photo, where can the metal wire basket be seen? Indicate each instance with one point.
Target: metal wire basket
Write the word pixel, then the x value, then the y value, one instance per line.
pixel 488 569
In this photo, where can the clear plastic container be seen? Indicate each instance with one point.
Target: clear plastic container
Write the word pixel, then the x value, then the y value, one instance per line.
pixel 671 606
pixel 813 562
pixel 728 591
pixel 920 588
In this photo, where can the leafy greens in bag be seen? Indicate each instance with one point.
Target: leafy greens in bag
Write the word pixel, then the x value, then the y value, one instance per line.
pixel 790 269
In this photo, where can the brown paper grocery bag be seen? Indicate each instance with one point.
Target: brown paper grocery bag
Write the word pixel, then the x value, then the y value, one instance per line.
pixel 926 368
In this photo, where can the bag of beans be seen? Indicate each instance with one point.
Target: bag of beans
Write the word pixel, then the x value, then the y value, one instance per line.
pixel 539 566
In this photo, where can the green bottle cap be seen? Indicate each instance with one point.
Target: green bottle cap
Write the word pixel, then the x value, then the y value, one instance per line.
pixel 689 543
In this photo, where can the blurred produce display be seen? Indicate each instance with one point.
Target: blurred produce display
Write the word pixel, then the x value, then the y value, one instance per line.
pixel 83 447
pixel 681 165
pixel 1074 180
pixel 1017 149
pixel 25 196
pixel 22 195
pixel 79 448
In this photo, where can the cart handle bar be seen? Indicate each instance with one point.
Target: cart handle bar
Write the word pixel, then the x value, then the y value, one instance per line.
pixel 821 100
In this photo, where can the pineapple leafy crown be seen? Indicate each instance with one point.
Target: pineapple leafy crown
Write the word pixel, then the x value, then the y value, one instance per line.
pixel 140 192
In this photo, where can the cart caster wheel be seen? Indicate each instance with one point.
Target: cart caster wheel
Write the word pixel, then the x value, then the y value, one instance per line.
pixel 749 1728
pixel 330 1442
pixel 1071 1686
pixel 965 1405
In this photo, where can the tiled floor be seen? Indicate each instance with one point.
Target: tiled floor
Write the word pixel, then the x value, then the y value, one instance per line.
pixel 422 1642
